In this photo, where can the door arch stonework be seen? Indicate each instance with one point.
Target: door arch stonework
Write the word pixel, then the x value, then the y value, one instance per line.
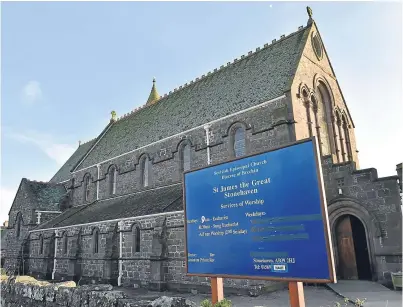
pixel 343 207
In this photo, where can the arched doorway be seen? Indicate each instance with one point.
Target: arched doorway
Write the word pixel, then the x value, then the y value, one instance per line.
pixel 352 249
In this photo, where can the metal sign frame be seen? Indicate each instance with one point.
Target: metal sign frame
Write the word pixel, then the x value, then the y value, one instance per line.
pixel 323 205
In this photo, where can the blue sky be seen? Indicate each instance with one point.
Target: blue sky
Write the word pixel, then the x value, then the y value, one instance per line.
pixel 66 65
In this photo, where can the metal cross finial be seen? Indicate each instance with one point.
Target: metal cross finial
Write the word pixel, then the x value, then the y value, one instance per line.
pixel 309 10
pixel 113 116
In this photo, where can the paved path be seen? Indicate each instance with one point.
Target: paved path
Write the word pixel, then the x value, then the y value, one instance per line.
pixel 376 295
pixel 314 297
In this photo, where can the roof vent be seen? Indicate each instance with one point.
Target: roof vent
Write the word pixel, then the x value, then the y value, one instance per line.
pixel 282 36
pixel 258 48
pixel 266 45
pixel 273 41
pixel 250 52
pixel 242 56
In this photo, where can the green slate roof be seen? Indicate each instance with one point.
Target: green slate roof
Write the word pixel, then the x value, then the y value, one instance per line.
pixel 45 196
pixel 263 75
pixel 3 242
pixel 64 172
pixel 40 195
pixel 165 199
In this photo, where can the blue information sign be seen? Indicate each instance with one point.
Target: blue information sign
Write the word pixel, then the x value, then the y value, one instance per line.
pixel 259 217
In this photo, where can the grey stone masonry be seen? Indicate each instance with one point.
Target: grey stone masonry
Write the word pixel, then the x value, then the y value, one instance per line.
pixel 267 126
pixel 376 202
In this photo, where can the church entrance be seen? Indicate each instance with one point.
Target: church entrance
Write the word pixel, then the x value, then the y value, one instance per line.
pixel 352 249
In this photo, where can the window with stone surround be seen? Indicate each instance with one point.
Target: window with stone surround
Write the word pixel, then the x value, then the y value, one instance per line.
pixel 340 182
pixel 87 187
pixel 65 242
pixel 145 166
pixel 95 240
pixel 18 222
pixel 112 172
pixel 239 142
pixel 185 157
pixel 136 238
pixel 40 244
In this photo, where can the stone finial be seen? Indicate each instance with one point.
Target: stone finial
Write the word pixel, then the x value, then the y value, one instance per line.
pixel 79 143
pixel 309 11
pixel 154 96
pixel 113 116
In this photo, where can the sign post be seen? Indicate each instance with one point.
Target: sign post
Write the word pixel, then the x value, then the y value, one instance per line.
pixel 217 289
pixel 296 290
pixel 263 217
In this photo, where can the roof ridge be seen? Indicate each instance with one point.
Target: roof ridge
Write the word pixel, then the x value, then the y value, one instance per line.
pixel 37 181
pixel 215 70
pixel 88 141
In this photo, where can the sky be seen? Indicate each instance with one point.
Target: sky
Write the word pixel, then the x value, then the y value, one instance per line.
pixel 66 65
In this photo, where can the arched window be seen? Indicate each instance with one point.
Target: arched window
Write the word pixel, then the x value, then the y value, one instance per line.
pixel 239 142
pixel 325 106
pixel 95 240
pixel 41 244
pixel 112 180
pixel 65 242
pixel 185 158
pixel 347 137
pixel 87 187
pixel 136 238
pixel 307 104
pixel 315 108
pixel 145 171
pixel 341 138
pixel 18 221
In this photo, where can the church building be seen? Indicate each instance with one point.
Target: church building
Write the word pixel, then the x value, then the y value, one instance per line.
pixel 113 213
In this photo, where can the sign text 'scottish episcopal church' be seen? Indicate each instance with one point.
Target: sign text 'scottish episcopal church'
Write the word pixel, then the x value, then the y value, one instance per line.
pixel 114 211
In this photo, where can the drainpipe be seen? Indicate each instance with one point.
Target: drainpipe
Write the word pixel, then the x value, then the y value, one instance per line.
pixel 207 128
pixel 98 181
pixel 54 257
pixel 120 253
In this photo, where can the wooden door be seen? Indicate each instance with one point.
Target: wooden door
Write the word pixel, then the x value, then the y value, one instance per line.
pixel 347 267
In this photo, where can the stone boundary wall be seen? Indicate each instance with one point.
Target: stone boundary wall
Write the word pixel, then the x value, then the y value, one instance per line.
pixel 16 294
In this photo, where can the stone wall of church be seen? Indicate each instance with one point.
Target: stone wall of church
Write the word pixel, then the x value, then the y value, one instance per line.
pixel 156 266
pixel 376 203
pixel 22 213
pixel 266 127
pixel 374 200
pixel 317 77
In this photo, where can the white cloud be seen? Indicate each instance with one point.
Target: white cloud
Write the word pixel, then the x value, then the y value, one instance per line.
pixel 59 152
pixel 6 196
pixel 32 92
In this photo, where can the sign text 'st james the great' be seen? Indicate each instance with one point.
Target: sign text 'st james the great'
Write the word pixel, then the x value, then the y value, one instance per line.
pixel 259 217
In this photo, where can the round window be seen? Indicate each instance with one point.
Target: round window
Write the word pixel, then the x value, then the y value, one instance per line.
pixel 317 46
